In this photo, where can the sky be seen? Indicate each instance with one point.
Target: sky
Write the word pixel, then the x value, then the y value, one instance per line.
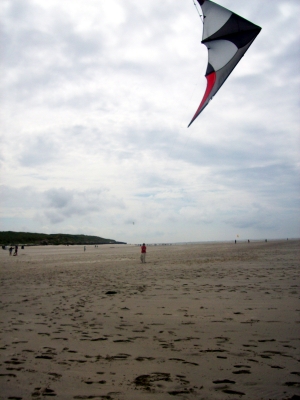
pixel 96 97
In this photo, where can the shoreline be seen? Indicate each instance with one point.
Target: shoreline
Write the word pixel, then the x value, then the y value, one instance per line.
pixel 239 240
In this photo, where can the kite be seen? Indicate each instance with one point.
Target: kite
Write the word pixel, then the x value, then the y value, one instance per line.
pixel 227 37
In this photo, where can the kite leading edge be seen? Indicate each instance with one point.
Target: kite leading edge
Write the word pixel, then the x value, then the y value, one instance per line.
pixel 227 37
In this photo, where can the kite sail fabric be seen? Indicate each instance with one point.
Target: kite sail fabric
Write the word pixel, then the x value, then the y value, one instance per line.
pixel 227 37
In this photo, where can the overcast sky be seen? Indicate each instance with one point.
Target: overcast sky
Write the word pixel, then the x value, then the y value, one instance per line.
pixel 96 96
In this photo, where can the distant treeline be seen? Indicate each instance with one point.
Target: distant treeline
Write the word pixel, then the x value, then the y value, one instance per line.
pixel 35 239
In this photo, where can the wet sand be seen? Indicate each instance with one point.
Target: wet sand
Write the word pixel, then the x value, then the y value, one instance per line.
pixel 201 321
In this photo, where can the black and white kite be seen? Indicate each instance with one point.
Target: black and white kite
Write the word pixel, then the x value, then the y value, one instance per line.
pixel 227 37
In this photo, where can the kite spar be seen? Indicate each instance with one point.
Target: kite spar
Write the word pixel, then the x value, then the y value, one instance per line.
pixel 227 37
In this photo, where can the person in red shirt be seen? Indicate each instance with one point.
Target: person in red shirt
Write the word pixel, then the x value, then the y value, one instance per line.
pixel 143 253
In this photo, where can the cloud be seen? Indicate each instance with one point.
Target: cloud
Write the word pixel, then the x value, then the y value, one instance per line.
pixel 96 97
pixel 14 200
pixel 38 151
pixel 63 204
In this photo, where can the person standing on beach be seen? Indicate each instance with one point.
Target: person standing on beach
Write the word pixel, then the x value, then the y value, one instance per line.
pixel 143 253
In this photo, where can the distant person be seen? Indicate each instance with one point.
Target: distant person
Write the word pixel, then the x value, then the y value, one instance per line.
pixel 84 249
pixel 10 250
pixel 16 250
pixel 143 253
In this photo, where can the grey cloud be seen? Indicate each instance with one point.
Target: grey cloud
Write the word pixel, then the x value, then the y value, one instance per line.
pixel 275 186
pixel 201 154
pixel 38 151
pixel 24 198
pixel 59 198
pixel 270 178
pixel 16 9
pixel 61 204
pixel 156 21
pixel 60 145
pixel 264 218
pixel 90 140
pixel 48 55
pixel 287 61
pixel 59 54
pixel 77 50
pixel 252 220
pixel 71 202
pixel 54 217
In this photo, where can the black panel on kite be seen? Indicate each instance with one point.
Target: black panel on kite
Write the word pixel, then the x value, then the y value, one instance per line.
pixel 227 37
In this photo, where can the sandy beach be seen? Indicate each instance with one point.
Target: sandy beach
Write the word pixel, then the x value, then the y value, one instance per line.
pixel 197 321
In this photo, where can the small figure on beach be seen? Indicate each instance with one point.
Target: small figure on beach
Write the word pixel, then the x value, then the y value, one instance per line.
pixel 16 250
pixel 143 253
pixel 84 248
pixel 10 250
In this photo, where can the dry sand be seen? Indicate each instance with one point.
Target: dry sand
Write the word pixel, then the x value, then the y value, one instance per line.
pixel 205 321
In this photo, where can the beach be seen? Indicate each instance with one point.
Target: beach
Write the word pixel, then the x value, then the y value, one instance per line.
pixel 196 321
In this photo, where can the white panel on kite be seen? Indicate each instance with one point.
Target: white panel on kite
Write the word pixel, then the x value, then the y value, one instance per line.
pixel 220 52
pixel 215 17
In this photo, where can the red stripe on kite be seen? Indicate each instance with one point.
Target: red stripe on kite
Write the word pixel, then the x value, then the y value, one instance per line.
pixel 211 80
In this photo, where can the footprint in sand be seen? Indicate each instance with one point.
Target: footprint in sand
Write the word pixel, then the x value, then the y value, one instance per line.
pixel 140 358
pixel 14 361
pixel 93 382
pixel 146 381
pixel 292 384
pixel 120 356
pixel 229 391
pixel 55 375
pixel 43 392
pixel 45 357
pixel 242 371
pixel 9 375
